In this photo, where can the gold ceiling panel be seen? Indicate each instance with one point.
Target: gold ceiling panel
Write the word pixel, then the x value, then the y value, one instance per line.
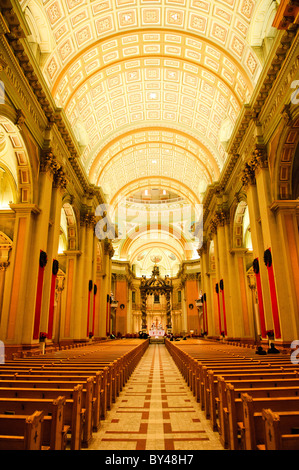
pixel 122 66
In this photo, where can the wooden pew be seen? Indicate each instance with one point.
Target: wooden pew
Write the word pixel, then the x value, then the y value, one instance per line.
pixel 213 394
pixel 219 406
pixel 279 430
pixel 54 431
pixel 208 375
pixel 244 417
pixel 19 432
pixel 91 397
pixel 253 425
pixel 62 369
pixel 101 379
pixel 52 393
pixel 73 414
pixel 100 388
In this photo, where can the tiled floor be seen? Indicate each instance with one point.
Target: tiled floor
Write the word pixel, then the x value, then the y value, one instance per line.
pixel 156 411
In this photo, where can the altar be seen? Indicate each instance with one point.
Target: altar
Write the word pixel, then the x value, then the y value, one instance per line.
pixel 156 333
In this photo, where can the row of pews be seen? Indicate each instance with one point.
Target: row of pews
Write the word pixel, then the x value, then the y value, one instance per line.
pixel 251 400
pixel 58 400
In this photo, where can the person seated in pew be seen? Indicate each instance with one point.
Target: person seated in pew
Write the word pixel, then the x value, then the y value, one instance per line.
pixel 273 349
pixel 260 351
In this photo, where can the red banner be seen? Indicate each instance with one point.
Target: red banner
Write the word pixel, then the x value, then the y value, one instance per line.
pixel 107 313
pixel 261 304
pixel 275 313
pixel 51 308
pixel 219 313
pixel 206 310
pixel 203 315
pixel 94 307
pixel 224 313
pixel 39 294
pixel 223 306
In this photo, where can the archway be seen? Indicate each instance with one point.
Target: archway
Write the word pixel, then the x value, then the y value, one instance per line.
pixel 155 286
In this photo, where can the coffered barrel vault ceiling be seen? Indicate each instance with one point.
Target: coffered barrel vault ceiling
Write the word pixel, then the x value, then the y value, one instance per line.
pixel 152 88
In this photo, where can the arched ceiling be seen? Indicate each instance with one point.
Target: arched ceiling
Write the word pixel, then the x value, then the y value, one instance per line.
pixel 152 88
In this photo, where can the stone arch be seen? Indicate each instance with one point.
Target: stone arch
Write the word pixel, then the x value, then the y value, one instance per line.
pixel 239 230
pixel 99 260
pixel 41 38
pixel 261 32
pixel 212 255
pixel 286 157
pixel 72 226
pixel 13 145
pixel 5 248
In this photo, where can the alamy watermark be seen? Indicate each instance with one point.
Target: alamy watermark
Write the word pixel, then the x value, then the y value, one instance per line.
pixel 122 222
pixel 2 92
pixel 294 354
pixel 2 353
pixel 295 94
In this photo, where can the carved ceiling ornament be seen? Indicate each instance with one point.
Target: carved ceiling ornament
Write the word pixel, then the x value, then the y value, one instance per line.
pixel 259 159
pixel 108 248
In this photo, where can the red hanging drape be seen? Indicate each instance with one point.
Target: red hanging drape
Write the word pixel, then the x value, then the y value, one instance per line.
pixel 219 313
pixel 275 314
pixel 260 296
pixel 223 306
pixel 39 293
pixel 52 298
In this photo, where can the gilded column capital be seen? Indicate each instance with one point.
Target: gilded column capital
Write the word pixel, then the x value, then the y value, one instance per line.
pixel 248 175
pixel 203 248
pixel 4 265
pixel 220 219
pixel 88 219
pixel 60 180
pixel 108 248
pixel 20 119
pixel 48 162
pixel 259 159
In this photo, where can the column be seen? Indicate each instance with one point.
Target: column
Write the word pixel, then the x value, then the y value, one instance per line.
pixel 281 301
pixel 191 296
pixel 263 292
pixel 121 288
pixel 204 264
pixel 78 301
pixel 88 277
pixel 106 287
pixel 68 314
pixel 215 281
pixel 17 318
pixel 223 275
pixel 60 287
pixel 47 311
pixel 286 216
pixel 242 322
pixel 48 166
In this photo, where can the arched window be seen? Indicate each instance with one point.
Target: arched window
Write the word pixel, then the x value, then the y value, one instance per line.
pixel 246 231
pixel 7 188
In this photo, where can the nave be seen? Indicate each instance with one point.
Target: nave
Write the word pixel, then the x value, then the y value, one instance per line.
pixel 156 411
pixel 133 394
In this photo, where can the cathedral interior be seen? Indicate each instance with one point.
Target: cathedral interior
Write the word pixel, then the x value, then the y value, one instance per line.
pixel 149 171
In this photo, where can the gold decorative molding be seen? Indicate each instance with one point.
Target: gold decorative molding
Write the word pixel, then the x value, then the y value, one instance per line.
pixel 60 180
pixel 88 219
pixel 4 265
pixel 48 162
pixel 258 160
pixel 108 248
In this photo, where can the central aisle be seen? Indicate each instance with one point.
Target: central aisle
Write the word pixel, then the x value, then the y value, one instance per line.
pixel 156 411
